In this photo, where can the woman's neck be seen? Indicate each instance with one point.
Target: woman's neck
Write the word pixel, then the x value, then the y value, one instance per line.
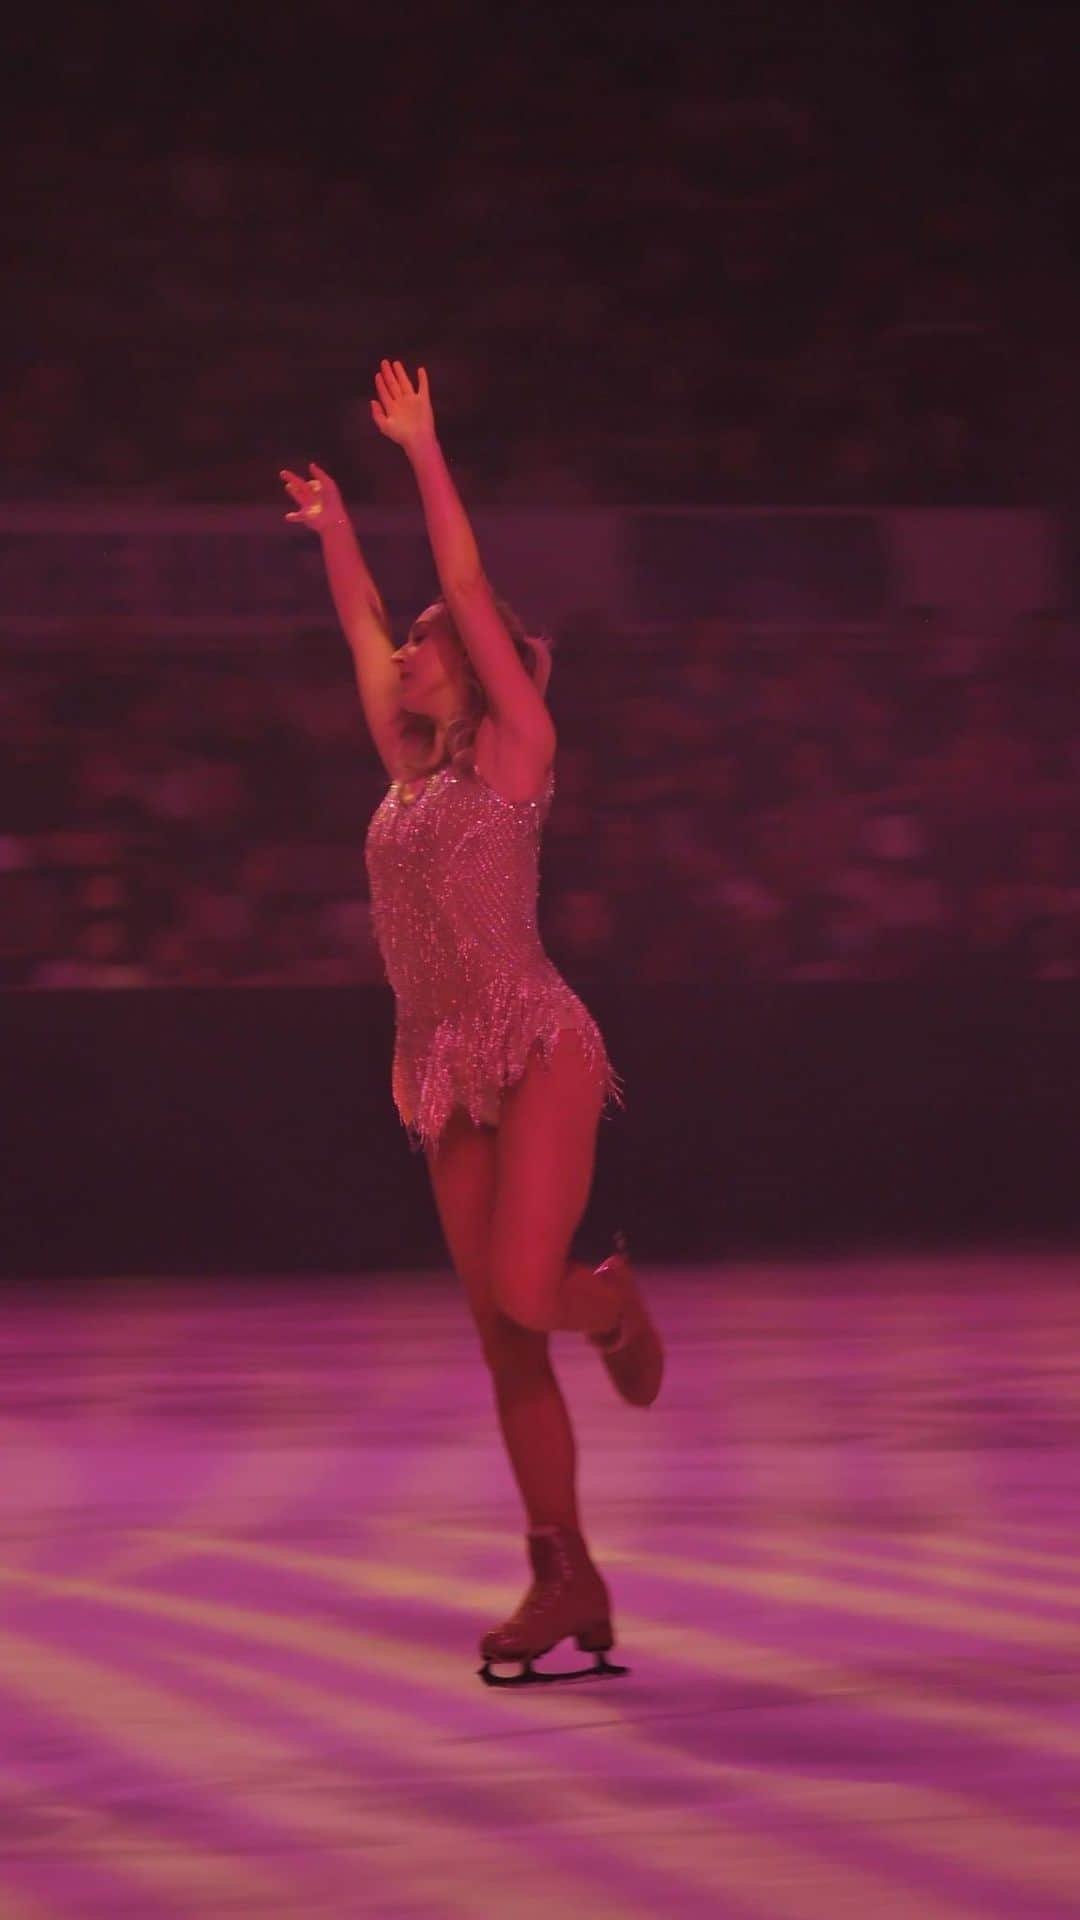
pixel 442 729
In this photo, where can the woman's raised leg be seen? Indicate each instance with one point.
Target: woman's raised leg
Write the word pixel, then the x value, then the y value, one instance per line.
pixel 546 1150
pixel 546 1155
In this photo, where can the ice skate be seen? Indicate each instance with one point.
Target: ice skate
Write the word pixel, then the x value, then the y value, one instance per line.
pixel 567 1599
pixel 633 1353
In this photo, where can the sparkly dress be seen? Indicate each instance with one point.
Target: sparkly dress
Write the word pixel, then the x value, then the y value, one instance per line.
pixel 454 878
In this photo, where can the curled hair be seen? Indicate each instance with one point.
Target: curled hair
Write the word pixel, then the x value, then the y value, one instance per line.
pixel 417 731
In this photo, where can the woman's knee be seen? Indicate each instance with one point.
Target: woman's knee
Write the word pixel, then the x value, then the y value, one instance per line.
pixel 524 1308
pixel 511 1350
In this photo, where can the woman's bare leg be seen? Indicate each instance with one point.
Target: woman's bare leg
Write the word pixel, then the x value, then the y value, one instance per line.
pixel 531 1409
pixel 545 1157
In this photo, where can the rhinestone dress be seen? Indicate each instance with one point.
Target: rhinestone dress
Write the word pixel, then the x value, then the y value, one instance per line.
pixel 454 880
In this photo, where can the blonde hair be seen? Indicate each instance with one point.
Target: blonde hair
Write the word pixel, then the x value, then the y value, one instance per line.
pixel 417 731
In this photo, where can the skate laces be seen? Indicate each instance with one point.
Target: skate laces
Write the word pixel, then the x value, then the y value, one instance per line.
pixel 539 1598
pixel 558 1572
pixel 535 1601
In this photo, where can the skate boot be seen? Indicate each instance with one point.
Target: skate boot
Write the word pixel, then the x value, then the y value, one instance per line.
pixel 567 1598
pixel 633 1353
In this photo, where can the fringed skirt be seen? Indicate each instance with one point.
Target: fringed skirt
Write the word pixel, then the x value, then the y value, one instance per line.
pixel 474 1053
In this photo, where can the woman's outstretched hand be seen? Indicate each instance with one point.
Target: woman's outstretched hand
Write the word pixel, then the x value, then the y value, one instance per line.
pixel 318 501
pixel 401 412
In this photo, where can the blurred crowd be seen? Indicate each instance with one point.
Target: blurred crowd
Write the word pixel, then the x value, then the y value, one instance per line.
pixel 823 256
pixel 731 805
pixel 808 254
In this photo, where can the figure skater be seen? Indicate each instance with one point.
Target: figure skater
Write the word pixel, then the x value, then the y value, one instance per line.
pixel 500 1073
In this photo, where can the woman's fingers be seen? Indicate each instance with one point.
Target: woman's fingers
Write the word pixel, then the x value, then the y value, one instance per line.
pixel 306 493
pixel 396 379
pixel 400 410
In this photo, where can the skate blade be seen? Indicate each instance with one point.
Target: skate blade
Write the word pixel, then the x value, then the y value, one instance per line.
pixel 531 1676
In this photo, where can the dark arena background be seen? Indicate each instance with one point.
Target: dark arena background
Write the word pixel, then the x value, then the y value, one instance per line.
pixel 752 340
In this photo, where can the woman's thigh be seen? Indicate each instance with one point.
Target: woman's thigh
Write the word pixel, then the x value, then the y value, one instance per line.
pixel 545 1150
pixel 463 1170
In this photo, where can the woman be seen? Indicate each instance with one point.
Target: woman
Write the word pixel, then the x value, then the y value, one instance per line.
pixel 500 1073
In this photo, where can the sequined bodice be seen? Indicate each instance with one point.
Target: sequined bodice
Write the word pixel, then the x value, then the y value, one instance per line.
pixel 454 878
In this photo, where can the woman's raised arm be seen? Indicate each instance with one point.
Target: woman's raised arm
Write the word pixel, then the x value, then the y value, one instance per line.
pixel 357 601
pixel 404 414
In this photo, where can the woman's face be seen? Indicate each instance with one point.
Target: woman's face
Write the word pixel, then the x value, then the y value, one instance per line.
pixel 429 662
